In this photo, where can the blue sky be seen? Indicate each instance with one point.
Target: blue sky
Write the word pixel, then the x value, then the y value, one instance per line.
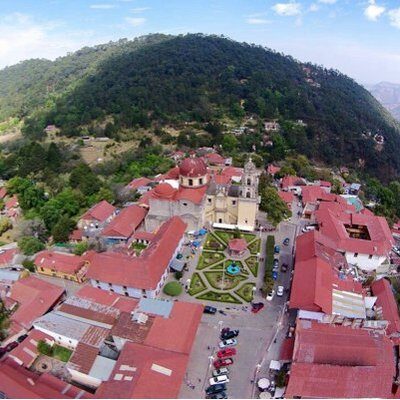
pixel 359 37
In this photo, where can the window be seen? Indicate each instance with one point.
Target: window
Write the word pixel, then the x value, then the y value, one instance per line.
pixel 98 282
pixel 190 182
pixel 126 294
pixel 200 181
pixel 370 256
pixel 233 202
pixel 110 284
pixel 42 269
pixel 248 181
pixel 185 204
pixel 248 195
pixel 112 290
pixel 355 255
pixel 209 200
pixel 98 287
pixel 220 220
pixel 124 287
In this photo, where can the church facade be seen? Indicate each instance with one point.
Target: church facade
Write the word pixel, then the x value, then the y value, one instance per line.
pixel 201 196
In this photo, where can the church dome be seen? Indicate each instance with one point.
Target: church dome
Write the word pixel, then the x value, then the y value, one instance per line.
pixel 164 190
pixel 193 167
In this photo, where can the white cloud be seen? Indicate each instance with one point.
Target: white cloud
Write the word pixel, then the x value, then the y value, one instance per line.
pixel 394 16
pixel 313 7
pixel 102 6
pixel 257 21
pixel 135 21
pixel 22 37
pixel 287 9
pixel 327 1
pixel 139 10
pixel 373 11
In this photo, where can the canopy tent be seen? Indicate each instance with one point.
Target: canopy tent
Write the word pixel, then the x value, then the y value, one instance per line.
pixel 263 383
pixel 265 395
pixel 177 265
pixel 202 231
pixel 275 365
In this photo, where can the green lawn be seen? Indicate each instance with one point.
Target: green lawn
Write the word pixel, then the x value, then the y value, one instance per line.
pixel 220 297
pixel 196 285
pixel 138 247
pixel 252 265
pixel 254 247
pixel 226 236
pixel 246 292
pixel 61 353
pixel 222 281
pixel 212 243
pixel 208 258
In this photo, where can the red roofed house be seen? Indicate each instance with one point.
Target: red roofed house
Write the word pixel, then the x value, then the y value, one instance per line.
pixel 155 344
pixel 273 169
pixel 61 265
pixel 124 225
pixel 319 283
pixel 137 183
pixel 287 197
pixel 237 247
pixel 34 298
pixel 214 159
pixel 139 276
pixel 12 207
pixel 293 184
pixel 386 306
pixel 365 240
pixel 97 216
pixel 17 382
pixel 3 192
pixel 340 362
pixel 7 257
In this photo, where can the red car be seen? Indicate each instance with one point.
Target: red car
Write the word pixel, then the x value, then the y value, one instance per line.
pixel 223 363
pixel 225 353
pixel 11 346
pixel 256 307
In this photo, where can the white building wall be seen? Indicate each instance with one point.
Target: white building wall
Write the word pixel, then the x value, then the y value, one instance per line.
pixel 364 261
pixel 83 379
pixel 61 340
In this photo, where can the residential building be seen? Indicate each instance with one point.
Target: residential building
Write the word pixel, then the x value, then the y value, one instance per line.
pixel 61 265
pixel 97 216
pixel 271 126
pixel 287 197
pixel 293 184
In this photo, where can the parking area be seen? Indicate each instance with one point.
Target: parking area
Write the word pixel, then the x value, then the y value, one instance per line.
pixel 256 332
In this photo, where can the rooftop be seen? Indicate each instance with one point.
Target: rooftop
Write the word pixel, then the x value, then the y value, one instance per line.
pixel 99 212
pixel 61 262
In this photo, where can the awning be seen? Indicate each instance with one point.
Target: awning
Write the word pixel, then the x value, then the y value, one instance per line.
pixel 233 227
pixel 265 395
pixel 275 365
pixel 263 383
pixel 279 393
pixel 177 265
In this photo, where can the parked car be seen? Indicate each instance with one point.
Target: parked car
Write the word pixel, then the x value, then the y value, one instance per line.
pixel 274 275
pixel 286 241
pixel 209 310
pixel 225 353
pixel 279 291
pixel 223 363
pixel 284 267
pixel 277 249
pixel 256 307
pixel 230 334
pixel 2 351
pixel 396 250
pixel 219 379
pixel 227 343
pixel 221 371
pixel 213 389
pixel 225 330
pixel 12 346
pixel 22 338
pixel 219 395
pixel 308 228
pixel 271 295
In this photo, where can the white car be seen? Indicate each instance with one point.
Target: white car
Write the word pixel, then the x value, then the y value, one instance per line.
pixel 220 371
pixel 227 343
pixel 270 295
pixel 308 228
pixel 279 291
pixel 219 379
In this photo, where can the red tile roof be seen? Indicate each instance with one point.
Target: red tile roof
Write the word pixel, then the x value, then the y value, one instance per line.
pixel 146 270
pixel 145 372
pixel 181 326
pixel 215 158
pixel 232 171
pixel 383 290
pixel 165 192
pixel 193 167
pixel 238 245
pixel 138 182
pixel 35 297
pixel 76 235
pixel 3 192
pixel 125 223
pixel 60 262
pixel 99 212
pixel 332 224
pixel 340 362
pixel 6 256
pixel 287 197
pixel 316 273
pixel 26 353
pixel 12 202
pixel 142 235
pixel 272 169
pixel 18 383
pixel 289 181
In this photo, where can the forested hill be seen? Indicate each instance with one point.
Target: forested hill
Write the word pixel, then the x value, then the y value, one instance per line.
pixel 201 78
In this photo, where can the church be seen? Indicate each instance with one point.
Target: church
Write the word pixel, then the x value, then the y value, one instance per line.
pixel 224 197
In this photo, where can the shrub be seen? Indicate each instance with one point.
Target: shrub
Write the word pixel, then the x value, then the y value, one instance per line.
pixel 80 248
pixel 29 265
pixel 178 275
pixel 44 348
pixel 30 245
pixel 5 225
pixel 172 289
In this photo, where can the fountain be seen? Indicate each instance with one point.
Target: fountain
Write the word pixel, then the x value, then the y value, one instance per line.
pixel 233 269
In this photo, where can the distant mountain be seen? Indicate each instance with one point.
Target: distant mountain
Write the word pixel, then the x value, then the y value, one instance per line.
pixel 389 95
pixel 168 79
